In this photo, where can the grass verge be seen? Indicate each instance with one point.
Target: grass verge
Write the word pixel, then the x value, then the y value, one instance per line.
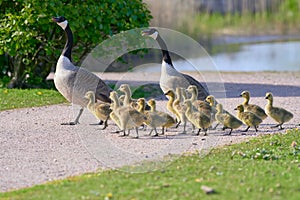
pixel 22 98
pixel 267 167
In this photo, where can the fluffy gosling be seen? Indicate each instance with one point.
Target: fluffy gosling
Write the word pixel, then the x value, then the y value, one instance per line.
pixel 198 119
pixel 248 118
pixel 280 115
pixel 228 120
pixel 100 110
pixel 252 107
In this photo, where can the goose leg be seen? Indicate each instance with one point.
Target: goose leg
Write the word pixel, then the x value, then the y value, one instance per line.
pixel 163 130
pixel 278 125
pixel 214 128
pixel 150 131
pixel 76 120
pixel 246 129
pixel 255 128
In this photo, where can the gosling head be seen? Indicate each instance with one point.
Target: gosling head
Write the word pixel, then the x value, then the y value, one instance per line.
pixel 245 94
pixel 141 101
pixel 152 32
pixel 170 93
pixel 151 102
pixel 240 108
pixel 61 21
pixel 269 96
pixel 191 89
pixel 124 87
pixel 210 99
pixel 188 103
pixel 89 94
pixel 113 95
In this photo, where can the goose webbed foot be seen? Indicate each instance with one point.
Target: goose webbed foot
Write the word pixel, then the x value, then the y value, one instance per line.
pixel 70 123
pixel 244 131
pixel 226 134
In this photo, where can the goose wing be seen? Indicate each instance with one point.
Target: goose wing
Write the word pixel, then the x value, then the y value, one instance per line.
pixel 202 92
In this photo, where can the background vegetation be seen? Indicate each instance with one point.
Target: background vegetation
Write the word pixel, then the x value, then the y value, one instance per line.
pixel 30 42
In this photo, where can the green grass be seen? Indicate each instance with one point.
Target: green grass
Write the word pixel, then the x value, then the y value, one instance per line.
pixel 20 98
pixel 267 167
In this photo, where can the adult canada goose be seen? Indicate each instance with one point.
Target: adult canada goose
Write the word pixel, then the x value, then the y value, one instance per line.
pixel 169 120
pixel 170 78
pixel 227 119
pixel 198 119
pixel 280 115
pixel 248 118
pixel 126 117
pixel 252 107
pixel 73 82
pixel 100 110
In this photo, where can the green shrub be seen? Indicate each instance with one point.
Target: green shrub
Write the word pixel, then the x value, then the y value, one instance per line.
pixel 33 42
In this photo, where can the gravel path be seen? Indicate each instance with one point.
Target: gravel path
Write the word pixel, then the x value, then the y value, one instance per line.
pixel 35 148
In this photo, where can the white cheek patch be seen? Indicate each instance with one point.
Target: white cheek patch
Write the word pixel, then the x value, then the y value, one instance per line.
pixel 63 24
pixel 154 35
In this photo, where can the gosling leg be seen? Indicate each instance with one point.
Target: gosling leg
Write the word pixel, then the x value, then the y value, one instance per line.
pixel 178 123
pixel 246 129
pixel 105 124
pixel 198 131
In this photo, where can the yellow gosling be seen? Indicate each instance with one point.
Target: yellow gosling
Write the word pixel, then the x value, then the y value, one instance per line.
pixel 248 118
pixel 198 119
pixel 100 110
pixel 280 115
pixel 200 105
pixel 252 107
pixel 228 120
pixel 180 108
pixel 128 101
pixel 127 117
pixel 169 120
pixel 171 95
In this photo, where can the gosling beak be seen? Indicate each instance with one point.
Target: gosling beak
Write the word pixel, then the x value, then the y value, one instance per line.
pixel 241 95
pixel 235 109
pixel 266 97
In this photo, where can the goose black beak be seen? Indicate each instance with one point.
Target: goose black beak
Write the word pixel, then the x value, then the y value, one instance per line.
pixel 145 32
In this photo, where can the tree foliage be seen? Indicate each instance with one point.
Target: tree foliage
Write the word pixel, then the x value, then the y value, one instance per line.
pixel 30 42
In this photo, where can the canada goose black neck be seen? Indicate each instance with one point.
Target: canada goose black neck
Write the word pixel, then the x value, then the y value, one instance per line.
pixel 69 43
pixel 165 52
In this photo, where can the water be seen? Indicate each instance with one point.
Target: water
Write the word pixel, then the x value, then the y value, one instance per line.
pixel 275 56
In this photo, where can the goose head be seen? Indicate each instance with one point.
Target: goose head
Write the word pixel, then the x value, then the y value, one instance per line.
pixel 240 108
pixel 245 94
pixel 61 21
pixel 269 96
pixel 152 32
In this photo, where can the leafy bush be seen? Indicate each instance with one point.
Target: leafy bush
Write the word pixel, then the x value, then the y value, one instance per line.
pixel 32 42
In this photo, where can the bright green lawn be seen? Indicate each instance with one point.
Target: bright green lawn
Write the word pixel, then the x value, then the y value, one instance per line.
pixel 267 167
pixel 20 98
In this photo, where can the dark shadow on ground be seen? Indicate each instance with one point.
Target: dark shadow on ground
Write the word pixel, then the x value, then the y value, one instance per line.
pixel 232 90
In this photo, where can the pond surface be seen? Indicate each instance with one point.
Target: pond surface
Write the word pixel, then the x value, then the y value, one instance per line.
pixel 275 56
